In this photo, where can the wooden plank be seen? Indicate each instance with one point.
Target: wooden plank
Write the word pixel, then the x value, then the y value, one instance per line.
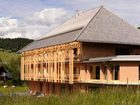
pixel 22 68
pixel 55 66
pixel 71 66
pixel 48 67
pixel 61 67
pixel 29 67
pixel 34 63
pixel 41 66
pixel 37 62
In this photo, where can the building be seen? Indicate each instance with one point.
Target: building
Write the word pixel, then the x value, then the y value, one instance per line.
pixel 93 48
pixel 4 74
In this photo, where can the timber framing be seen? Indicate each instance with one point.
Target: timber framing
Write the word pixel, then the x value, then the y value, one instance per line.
pixel 48 64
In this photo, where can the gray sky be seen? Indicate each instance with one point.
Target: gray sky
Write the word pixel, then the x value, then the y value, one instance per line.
pixel 34 18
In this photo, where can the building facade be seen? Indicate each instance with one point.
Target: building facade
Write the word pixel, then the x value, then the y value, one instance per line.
pixel 92 49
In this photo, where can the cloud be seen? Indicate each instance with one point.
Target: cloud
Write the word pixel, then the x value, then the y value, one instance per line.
pixel 33 26
pixel 48 16
pixel 34 18
pixel 7 25
pixel 12 35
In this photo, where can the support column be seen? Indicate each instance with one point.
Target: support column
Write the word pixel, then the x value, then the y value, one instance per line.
pixel 22 68
pixel 55 66
pixel 29 63
pixel 34 63
pixel 48 67
pixel 41 66
pixel 71 66
pixel 37 73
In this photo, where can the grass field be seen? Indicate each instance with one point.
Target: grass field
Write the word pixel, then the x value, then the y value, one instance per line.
pixel 113 96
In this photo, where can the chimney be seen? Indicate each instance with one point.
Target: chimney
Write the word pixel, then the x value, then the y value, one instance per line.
pixel 77 13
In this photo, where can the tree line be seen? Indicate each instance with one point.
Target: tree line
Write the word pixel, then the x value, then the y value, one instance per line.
pixel 14 45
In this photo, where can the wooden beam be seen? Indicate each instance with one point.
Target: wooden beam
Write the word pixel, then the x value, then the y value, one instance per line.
pixel 71 66
pixel 22 68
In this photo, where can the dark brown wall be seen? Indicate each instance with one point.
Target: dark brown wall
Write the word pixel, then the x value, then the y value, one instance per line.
pixel 91 50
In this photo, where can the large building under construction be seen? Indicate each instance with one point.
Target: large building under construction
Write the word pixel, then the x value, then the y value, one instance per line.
pixel 92 49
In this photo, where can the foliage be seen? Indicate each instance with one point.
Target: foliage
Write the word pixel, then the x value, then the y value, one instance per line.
pixel 11 62
pixel 112 96
pixel 13 44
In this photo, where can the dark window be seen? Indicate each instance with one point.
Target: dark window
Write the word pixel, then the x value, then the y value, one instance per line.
pixel 75 70
pixel 39 66
pixel 86 68
pixel 44 65
pixel 32 66
pixel 97 72
pixel 91 69
pixel 122 51
pixel 116 72
pixel 75 51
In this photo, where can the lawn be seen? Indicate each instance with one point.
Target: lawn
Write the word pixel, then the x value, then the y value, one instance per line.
pixel 113 96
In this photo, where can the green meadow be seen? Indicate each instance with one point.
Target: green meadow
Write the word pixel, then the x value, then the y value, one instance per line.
pixel 109 96
pixel 6 55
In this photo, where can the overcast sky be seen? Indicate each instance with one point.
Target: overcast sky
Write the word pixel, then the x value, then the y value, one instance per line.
pixel 34 18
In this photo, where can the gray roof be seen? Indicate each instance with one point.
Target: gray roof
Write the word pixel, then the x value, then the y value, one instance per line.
pixel 52 40
pixel 98 25
pixel 106 27
pixel 115 58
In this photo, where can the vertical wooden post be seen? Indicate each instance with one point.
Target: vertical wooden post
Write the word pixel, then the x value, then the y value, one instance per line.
pixel 41 66
pixel 35 67
pixel 71 66
pixel 34 63
pixel 22 68
pixel 55 66
pixel 37 62
pixel 29 63
pixel 27 67
pixel 62 65
pixel 48 67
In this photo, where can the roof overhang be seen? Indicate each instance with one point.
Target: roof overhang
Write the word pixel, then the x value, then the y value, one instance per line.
pixel 119 58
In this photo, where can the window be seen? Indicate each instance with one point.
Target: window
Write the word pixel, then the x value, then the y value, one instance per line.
pixel 39 66
pixel 86 68
pixel 116 72
pixel 44 65
pixel 122 51
pixel 32 66
pixel 75 72
pixel 97 72
pixel 75 51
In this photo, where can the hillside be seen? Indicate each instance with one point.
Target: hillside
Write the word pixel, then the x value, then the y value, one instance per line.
pixel 6 56
pixel 14 44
